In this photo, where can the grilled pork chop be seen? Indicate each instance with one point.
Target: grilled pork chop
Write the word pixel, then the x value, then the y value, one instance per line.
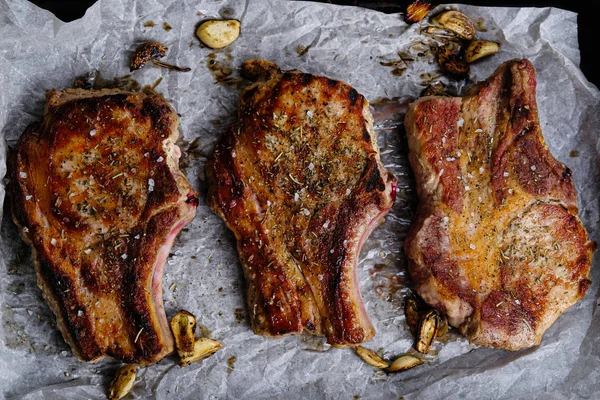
pixel 97 193
pixel 496 243
pixel 299 181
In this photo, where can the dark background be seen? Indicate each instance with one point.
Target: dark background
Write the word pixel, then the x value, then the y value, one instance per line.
pixel 588 11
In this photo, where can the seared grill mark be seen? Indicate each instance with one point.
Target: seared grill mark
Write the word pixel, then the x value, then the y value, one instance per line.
pixel 305 79
pixel 374 180
pixel 353 96
pixel 366 136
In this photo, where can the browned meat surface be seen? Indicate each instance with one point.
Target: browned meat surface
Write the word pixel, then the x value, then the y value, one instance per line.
pixel 299 181
pixel 96 191
pixel 496 243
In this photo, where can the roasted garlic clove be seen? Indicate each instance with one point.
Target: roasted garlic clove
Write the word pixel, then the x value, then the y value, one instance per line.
pixel 183 325
pixel 404 362
pixel 217 34
pixel 480 48
pixel 452 64
pixel 427 331
pixel 203 348
pixel 370 357
pixel 456 22
pixel 123 382
pixel 411 312
pixel 416 11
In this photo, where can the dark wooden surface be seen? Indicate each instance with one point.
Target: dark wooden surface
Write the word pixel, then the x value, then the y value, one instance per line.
pixel 68 10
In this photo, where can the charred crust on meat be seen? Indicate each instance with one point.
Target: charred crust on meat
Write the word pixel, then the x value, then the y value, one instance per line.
pixel 259 70
pixel 374 181
pixel 305 79
pixel 353 96
pixel 160 113
pixel 332 83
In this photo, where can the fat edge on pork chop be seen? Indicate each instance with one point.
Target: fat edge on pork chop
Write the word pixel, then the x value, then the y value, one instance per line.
pixel 496 243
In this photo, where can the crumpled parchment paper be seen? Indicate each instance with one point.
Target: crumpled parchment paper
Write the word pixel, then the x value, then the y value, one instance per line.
pixel 38 52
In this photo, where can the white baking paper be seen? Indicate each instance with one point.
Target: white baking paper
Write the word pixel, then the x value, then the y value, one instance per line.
pixel 38 52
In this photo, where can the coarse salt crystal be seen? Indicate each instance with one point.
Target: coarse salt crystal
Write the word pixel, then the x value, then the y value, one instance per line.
pixel 311 166
pixel 92 132
pixel 458 153
pixel 505 174
pixel 160 159
pixel 326 224
pixel 481 170
pixel 23 175
pixel 469 175
pixel 310 114
pixel 472 246
pixel 450 158
pixel 80 313
pixel 480 199
pixel 467 188
pixel 28 197
pixel 478 130
pixel 233 155
pixel 533 168
pixel 268 203
pixel 510 191
pixel 443 139
pixel 331 251
pixel 305 211
pixel 124 256
pixel 348 191
pixel 296 197
pixel 150 184
pixel 441 172
pixel 136 237
pixel 53 241
pixel 87 251
pixel 461 122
